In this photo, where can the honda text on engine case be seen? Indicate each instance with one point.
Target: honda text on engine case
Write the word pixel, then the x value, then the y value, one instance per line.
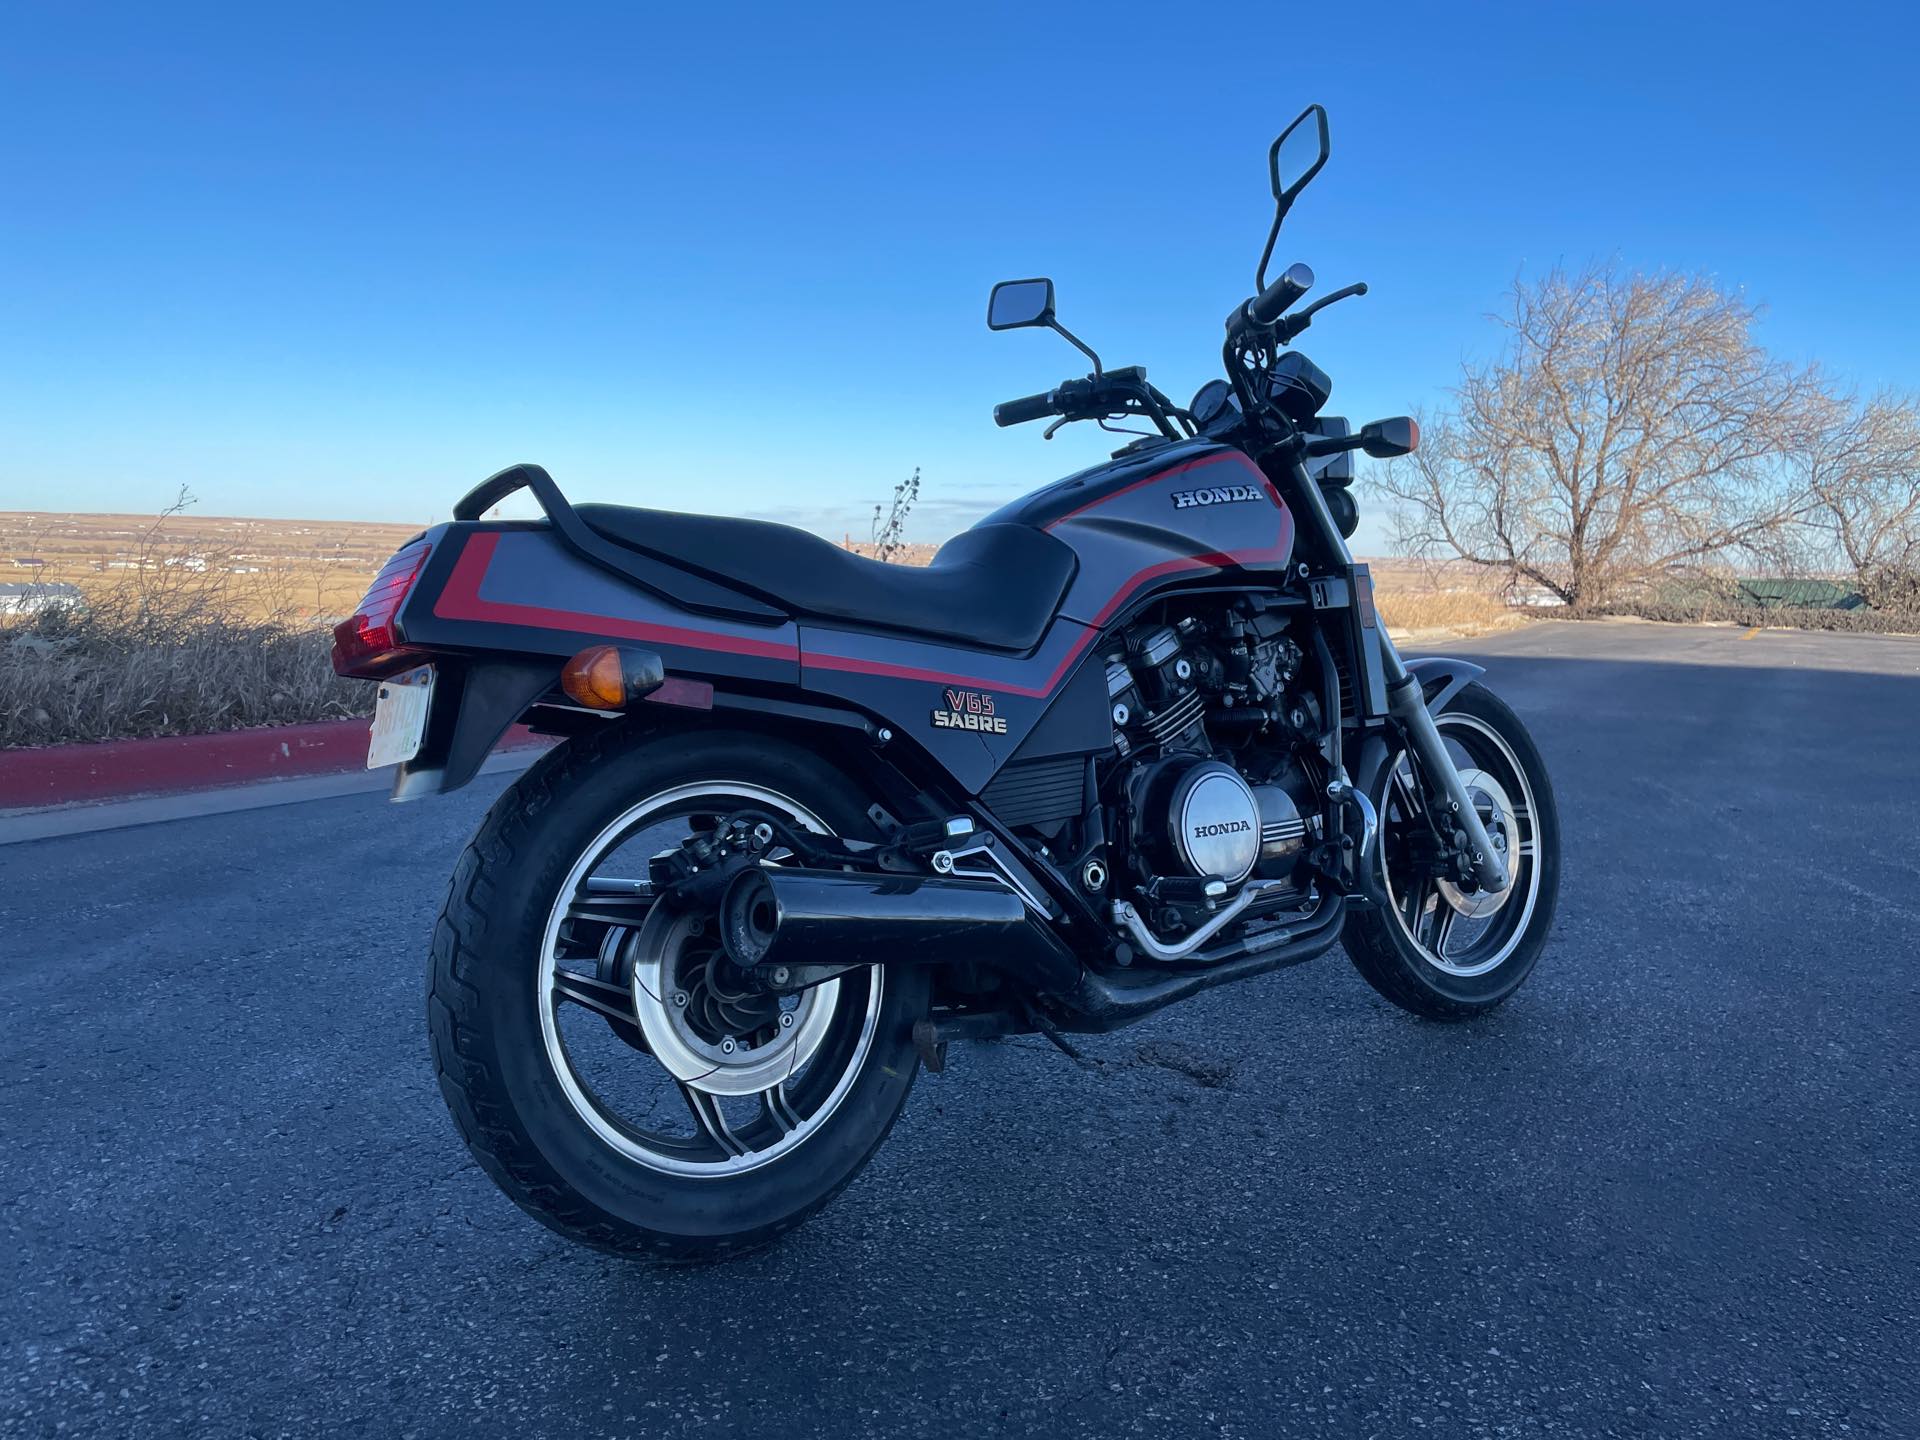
pixel 815 817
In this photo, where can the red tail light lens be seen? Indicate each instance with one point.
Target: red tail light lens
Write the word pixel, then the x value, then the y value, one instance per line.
pixel 366 644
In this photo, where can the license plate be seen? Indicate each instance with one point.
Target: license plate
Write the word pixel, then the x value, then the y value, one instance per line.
pixel 400 718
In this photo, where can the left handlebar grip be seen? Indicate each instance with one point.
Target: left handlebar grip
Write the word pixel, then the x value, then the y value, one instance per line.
pixel 1271 303
pixel 1027 407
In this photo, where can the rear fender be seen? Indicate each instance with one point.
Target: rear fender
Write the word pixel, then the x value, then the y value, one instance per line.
pixel 473 704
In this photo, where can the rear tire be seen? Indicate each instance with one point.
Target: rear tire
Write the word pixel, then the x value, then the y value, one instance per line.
pixel 1442 984
pixel 493 1032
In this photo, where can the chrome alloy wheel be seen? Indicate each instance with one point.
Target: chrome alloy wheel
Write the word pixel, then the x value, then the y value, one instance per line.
pixel 1464 932
pixel 755 1074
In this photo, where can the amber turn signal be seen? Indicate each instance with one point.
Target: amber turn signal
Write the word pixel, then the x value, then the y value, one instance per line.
pixel 610 677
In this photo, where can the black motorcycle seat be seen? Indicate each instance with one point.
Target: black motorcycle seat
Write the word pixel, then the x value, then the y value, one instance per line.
pixel 994 586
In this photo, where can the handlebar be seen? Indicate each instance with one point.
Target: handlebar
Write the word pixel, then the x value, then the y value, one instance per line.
pixel 1027 407
pixel 1298 322
pixel 1101 395
pixel 1271 303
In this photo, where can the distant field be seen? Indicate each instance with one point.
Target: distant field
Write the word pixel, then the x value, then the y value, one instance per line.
pixel 196 623
pixel 318 569
pixel 294 569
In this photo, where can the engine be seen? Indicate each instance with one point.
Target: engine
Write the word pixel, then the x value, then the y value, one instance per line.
pixel 1213 824
pixel 1218 739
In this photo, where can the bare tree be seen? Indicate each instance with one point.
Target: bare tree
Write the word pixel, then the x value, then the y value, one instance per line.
pixel 1859 462
pixel 1630 425
pixel 888 531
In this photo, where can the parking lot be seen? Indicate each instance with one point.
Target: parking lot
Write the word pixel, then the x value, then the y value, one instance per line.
pixel 1668 1190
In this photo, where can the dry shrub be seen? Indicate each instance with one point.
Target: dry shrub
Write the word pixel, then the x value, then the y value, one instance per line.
pixel 1777 617
pixel 72 673
pixel 167 649
pixel 1469 610
pixel 1895 589
pixel 1417 594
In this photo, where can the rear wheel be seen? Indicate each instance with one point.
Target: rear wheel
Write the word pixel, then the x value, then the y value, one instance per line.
pixel 1437 947
pixel 607 1064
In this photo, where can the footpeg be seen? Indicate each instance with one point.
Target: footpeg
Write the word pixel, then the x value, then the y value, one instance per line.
pixel 926 836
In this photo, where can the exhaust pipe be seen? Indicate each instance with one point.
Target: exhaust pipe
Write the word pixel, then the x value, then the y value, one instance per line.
pixel 817 923
pixel 1099 1003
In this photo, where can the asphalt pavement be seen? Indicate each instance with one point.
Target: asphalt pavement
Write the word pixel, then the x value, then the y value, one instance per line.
pixel 1668 1190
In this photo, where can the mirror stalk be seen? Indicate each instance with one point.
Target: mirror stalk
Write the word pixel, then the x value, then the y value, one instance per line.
pixel 1077 343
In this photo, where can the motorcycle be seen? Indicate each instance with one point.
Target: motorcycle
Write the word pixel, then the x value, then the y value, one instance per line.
pixel 813 817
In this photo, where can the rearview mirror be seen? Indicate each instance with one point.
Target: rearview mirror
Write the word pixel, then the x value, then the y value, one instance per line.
pixel 1017 304
pixel 1298 154
pixel 1384 439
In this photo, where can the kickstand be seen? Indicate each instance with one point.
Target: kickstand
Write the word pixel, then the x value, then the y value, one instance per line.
pixel 933 1051
pixel 1052 1035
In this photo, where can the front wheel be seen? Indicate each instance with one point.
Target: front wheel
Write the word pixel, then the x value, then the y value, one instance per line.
pixel 610 1068
pixel 1434 946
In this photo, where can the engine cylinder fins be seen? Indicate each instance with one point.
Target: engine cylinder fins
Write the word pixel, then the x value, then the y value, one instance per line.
pixel 1170 723
pixel 1216 821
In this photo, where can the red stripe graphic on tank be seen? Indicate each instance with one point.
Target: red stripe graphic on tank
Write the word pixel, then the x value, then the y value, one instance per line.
pixel 462 600
pixel 1233 458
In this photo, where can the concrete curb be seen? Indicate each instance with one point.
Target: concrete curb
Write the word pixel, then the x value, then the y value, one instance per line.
pixel 57 775
pixel 19 826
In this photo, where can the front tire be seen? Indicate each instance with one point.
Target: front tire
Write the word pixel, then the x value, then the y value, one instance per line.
pixel 668 1148
pixel 1434 948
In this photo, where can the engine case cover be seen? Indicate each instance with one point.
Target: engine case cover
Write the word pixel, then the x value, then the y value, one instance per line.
pixel 1214 819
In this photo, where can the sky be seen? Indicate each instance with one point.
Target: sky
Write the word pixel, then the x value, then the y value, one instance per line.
pixel 344 262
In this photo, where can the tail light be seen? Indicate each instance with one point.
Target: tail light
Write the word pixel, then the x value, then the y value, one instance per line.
pixel 367 644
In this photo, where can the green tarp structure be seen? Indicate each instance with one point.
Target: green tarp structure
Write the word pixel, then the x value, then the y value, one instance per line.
pixel 1799 595
pixel 1763 594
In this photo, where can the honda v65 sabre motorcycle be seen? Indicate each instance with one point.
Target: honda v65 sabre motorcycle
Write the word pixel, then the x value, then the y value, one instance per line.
pixel 815 817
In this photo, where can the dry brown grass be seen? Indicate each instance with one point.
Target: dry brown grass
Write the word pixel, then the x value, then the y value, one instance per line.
pixel 185 627
pixel 1463 610
pixel 914 553
pixel 1413 596
pixel 74 675
pixel 1435 596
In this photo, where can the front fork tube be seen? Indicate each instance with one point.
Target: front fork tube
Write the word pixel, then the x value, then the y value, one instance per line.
pixel 1405 702
pixel 1408 707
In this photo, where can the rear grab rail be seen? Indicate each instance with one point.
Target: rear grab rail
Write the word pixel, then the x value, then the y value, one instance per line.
pixel 589 544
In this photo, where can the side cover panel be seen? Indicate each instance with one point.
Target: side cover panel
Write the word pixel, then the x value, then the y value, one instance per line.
pixel 519 589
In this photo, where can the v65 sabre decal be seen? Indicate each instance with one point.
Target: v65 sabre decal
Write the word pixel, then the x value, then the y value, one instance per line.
pixel 968 710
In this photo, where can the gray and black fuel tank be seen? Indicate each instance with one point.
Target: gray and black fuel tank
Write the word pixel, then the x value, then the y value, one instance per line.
pixel 1180 512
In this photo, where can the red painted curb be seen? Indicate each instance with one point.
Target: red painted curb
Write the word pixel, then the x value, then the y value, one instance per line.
pixel 120 769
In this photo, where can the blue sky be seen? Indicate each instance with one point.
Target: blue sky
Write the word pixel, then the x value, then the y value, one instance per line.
pixel 344 262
